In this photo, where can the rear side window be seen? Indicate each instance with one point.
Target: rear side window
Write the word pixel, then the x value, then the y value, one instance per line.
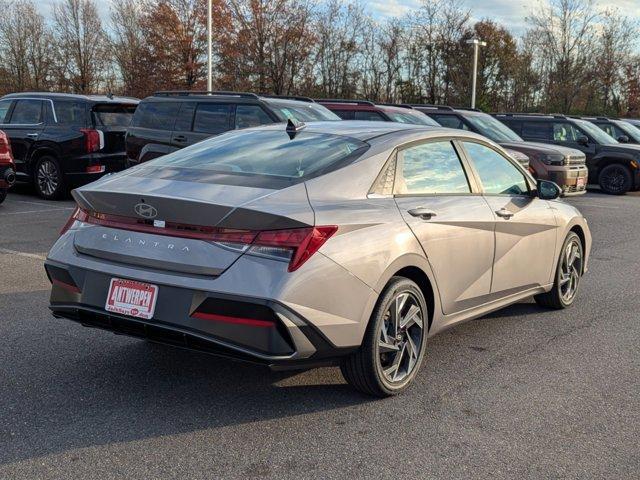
pixel 158 115
pixel 4 109
pixel 27 112
pixel 302 112
pixel 185 117
pixel 498 175
pixel 430 168
pixel 450 121
pixel 70 113
pixel 368 116
pixel 212 118
pixel 345 114
pixel 251 116
pixel 113 115
pixel 537 131
pixel 266 152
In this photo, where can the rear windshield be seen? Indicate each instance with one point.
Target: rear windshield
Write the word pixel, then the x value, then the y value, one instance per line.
pixel 114 115
pixel 311 112
pixel 266 153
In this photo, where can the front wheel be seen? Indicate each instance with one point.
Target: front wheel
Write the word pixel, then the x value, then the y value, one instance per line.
pixel 615 179
pixel 568 275
pixel 3 194
pixel 394 344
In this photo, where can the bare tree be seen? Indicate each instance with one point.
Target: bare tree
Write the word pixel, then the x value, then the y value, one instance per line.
pixel 81 43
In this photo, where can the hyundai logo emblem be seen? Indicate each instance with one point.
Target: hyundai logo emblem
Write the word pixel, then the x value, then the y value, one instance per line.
pixel 146 211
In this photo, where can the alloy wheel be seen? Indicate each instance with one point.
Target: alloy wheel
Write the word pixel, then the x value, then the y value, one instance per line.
pixel 400 337
pixel 570 270
pixel 47 177
pixel 614 179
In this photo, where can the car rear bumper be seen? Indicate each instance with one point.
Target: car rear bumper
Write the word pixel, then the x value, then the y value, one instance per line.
pixel 78 175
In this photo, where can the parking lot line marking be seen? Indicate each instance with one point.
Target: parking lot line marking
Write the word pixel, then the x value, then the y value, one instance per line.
pixel 37 211
pixel 23 254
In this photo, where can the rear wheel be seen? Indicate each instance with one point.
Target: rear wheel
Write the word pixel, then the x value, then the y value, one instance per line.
pixel 3 194
pixel 568 275
pixel 615 179
pixel 48 178
pixel 394 344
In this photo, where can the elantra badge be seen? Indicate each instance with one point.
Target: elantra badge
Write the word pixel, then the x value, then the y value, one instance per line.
pixel 146 210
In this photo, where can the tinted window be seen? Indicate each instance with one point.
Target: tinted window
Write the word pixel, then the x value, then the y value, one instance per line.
pixel 411 117
pixel 159 115
pixel 431 168
pixel 450 121
pixel 345 114
pixel 251 116
pixel 212 118
pixel 537 131
pixel 265 152
pixel 185 118
pixel 565 132
pixel 498 175
pixel 4 109
pixel 113 115
pixel 594 132
pixel 367 115
pixel 70 113
pixel 27 112
pixel 302 112
pixel 490 127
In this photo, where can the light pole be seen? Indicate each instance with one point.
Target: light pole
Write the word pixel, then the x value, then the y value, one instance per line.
pixel 477 43
pixel 209 52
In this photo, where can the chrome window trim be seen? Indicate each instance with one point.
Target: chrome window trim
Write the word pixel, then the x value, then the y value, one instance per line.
pixel 53 110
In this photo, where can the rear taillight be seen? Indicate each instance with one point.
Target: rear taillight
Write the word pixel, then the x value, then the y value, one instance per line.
pixel 96 169
pixel 294 245
pixel 5 146
pixel 92 139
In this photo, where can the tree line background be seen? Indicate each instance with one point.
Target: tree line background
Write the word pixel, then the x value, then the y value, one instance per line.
pixel 573 57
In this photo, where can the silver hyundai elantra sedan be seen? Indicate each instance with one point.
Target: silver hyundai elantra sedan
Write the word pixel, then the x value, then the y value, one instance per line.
pixel 344 243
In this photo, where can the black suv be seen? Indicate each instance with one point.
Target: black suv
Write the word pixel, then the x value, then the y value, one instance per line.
pixel 168 121
pixel 621 130
pixel 61 141
pixel 615 166
pixel 564 166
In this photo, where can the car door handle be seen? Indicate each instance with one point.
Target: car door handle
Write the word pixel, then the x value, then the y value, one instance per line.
pixel 32 135
pixel 504 213
pixel 423 213
pixel 180 138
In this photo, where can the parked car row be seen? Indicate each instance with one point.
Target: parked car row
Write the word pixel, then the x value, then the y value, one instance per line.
pixel 62 141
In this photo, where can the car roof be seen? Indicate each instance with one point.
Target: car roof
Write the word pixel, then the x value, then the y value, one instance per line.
pixel 227 97
pixel 73 96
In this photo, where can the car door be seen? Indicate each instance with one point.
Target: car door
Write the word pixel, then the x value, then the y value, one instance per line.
pixel 525 226
pixel 24 126
pixel 440 203
pixel 209 119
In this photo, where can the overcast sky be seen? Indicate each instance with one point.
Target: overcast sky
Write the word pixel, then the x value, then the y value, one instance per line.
pixel 511 13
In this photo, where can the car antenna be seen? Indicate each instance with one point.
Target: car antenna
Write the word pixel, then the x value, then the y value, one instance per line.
pixel 293 127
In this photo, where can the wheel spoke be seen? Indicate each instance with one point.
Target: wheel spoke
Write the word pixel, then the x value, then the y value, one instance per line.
pixel 412 317
pixel 387 347
pixel 392 371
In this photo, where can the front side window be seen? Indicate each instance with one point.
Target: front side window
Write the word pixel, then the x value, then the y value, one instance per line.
pixel 156 115
pixel 212 118
pixel 4 109
pixel 185 117
pixel 565 132
pixel 497 174
pixel 27 112
pixel 251 116
pixel 430 168
pixel 247 153
pixel 70 113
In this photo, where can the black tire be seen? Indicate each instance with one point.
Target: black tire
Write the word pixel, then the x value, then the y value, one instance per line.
pixel 363 369
pixel 3 194
pixel 615 179
pixel 555 298
pixel 48 178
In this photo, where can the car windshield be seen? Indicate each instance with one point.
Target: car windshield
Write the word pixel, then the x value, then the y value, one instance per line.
pixel 596 133
pixel 492 128
pixel 412 117
pixel 629 130
pixel 114 115
pixel 302 112
pixel 266 152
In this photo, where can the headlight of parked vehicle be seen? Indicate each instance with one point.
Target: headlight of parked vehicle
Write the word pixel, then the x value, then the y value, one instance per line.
pixel 554 159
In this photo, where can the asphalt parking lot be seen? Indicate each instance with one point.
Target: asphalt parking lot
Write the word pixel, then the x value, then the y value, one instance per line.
pixel 522 393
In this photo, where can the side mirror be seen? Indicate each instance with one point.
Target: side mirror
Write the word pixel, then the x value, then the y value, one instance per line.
pixel 583 140
pixel 623 139
pixel 548 190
